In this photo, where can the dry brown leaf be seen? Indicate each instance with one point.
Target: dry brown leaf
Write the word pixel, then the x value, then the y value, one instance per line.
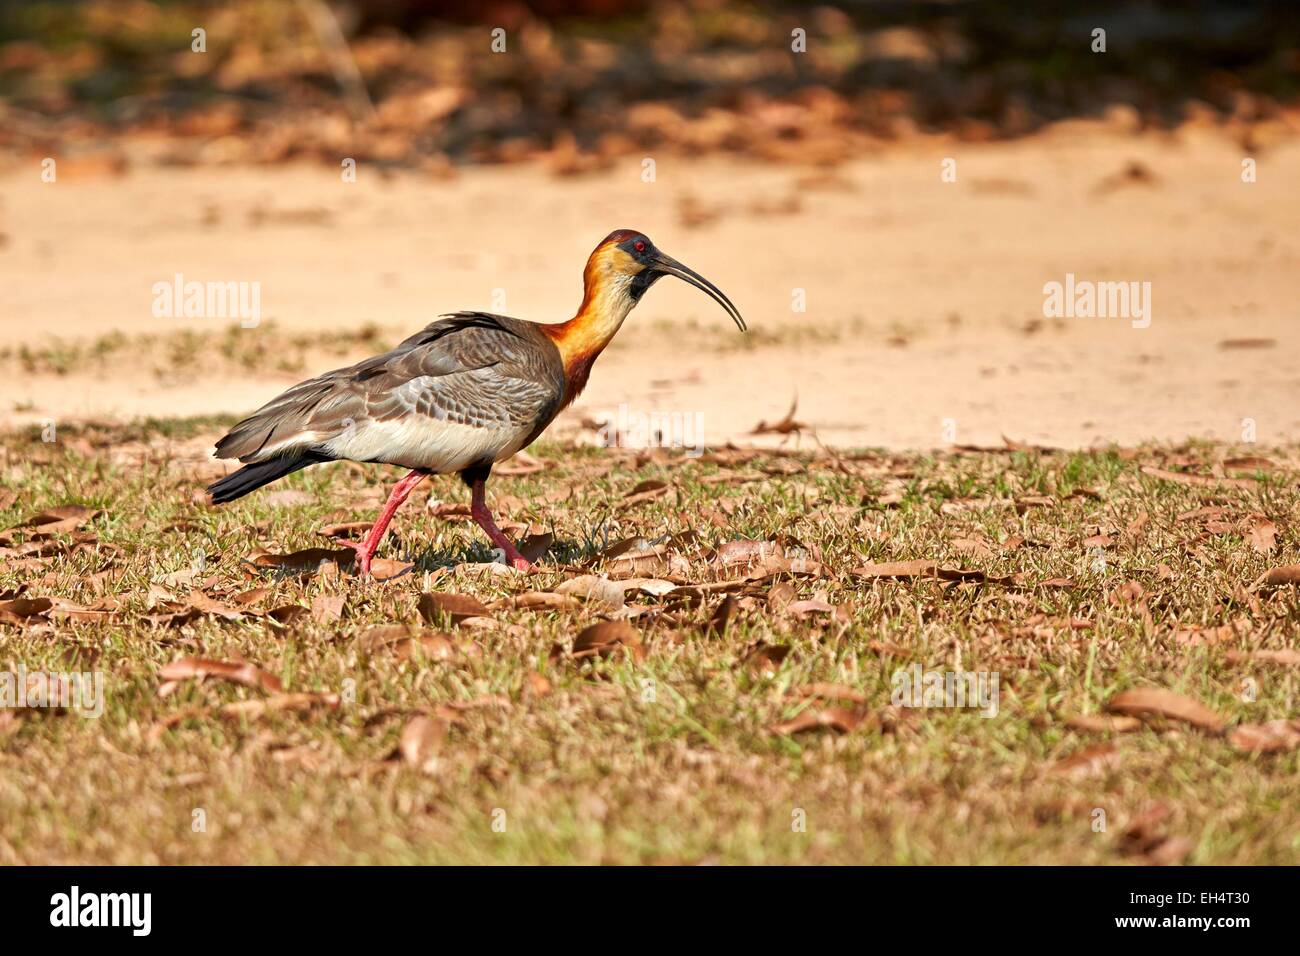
pixel 810 606
pixel 595 590
pixel 1103 723
pixel 20 610
pixel 1250 463
pixel 838 719
pixel 1286 657
pixel 901 570
pixel 654 587
pixel 830 691
pixel 533 600
pixel 728 608
pixel 1026 502
pixel 536 685
pixel 744 552
pixel 326 608
pixel 1278 577
pixel 1158 702
pixel 535 546
pixel 605 637
pixel 436 606
pixel 278 703
pixel 1089 760
pixel 1273 736
pixel 421 740
pixel 199 668
pixel 59 520
pixel 207 605
pixel 1198 481
pixel 647 490
pixel 765 659
pixel 921 568
pixel 780 595
pixel 1263 534
pixel 521 463
pixel 385 569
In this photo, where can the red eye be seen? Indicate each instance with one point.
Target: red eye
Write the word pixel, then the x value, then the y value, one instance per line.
pixel 639 245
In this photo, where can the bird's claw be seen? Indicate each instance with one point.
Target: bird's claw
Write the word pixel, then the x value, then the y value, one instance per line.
pixel 363 556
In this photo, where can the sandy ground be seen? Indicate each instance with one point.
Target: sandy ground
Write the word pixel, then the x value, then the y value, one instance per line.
pixel 924 316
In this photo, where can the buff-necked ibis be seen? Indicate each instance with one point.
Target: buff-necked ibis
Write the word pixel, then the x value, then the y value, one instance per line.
pixel 468 391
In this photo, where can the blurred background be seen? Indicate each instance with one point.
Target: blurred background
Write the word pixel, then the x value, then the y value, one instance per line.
pixel 796 156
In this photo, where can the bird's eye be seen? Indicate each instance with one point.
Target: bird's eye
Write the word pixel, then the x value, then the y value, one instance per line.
pixel 639 245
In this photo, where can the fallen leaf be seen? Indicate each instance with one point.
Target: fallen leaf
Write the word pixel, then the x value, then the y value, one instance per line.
pixel 781 595
pixel 1089 760
pixel 655 587
pixel 420 741
pixel 605 637
pixel 906 570
pixel 1263 534
pixel 20 610
pixel 831 691
pixel 59 520
pixel 534 600
pixel 1272 736
pixel 435 606
pixel 901 570
pixel 595 590
pixel 1278 577
pixel 743 552
pixel 521 463
pixel 1158 702
pixel 1287 657
pixel 1250 463
pixel 536 685
pixel 198 668
pixel 722 615
pixel 765 659
pixel 535 546
pixel 837 719
pixel 810 606
pixel 1198 481
pixel 647 490
pixel 1103 723
pixel 278 703
pixel 326 608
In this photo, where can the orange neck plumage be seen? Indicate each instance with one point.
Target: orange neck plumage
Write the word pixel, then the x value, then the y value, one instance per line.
pixel 606 302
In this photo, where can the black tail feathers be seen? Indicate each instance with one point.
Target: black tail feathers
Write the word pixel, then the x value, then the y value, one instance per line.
pixel 254 476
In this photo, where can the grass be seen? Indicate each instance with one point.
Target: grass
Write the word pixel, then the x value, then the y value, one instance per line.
pixel 180 355
pixel 666 754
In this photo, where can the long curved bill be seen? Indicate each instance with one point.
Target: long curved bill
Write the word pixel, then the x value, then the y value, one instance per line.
pixel 670 266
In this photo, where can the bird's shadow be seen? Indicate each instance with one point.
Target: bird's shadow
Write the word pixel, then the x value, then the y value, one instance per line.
pixel 559 552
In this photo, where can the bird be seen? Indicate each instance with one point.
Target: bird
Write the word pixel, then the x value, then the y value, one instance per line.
pixel 467 391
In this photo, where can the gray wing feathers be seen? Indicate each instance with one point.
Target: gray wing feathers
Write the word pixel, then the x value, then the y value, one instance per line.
pixel 469 369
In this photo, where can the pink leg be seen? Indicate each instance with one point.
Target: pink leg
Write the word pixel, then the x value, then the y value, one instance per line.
pixel 479 509
pixel 366 549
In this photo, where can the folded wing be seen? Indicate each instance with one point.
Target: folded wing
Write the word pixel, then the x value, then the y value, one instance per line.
pixel 469 389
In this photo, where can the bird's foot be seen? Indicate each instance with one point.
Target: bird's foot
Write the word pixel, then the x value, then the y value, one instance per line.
pixel 364 554
pixel 509 555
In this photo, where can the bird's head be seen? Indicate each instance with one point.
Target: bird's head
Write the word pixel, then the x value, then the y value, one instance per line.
pixel 627 263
